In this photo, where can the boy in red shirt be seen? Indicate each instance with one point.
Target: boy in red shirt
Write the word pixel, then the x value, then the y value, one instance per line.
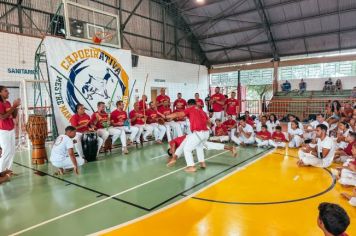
pixel 263 137
pixel 138 119
pixel 220 132
pixel 278 139
pixel 232 106
pixel 217 101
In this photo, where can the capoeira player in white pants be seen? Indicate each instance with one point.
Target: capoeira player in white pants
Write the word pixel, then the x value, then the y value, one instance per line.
pixel 295 135
pixel 217 102
pixel 322 155
pixel 278 139
pixel 176 148
pixel 152 120
pixel 81 121
pixel 138 119
pixel 100 120
pixel 199 122
pixel 7 132
pixel 120 117
pixel 245 134
pixel 220 132
pixel 62 154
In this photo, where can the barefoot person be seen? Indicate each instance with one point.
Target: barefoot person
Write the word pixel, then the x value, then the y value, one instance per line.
pixel 62 154
pixel 199 122
pixel 176 147
pixel 7 131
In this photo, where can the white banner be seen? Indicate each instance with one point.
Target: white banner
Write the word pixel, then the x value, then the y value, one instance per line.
pixel 85 73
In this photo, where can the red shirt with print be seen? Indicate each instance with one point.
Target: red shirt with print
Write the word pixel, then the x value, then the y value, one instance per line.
pixel 179 104
pixel 230 124
pixel 279 136
pixel 152 116
pixel 118 117
pixel 78 120
pixel 139 120
pixel 221 130
pixel 197 118
pixel 264 134
pixel 99 123
pixel 161 99
pixel 199 102
pixel 8 123
pixel 231 106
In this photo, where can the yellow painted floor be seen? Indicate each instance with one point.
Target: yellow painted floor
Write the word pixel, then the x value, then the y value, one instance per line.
pixel 269 197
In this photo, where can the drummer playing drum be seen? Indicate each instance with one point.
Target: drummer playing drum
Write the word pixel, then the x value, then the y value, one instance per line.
pixel 81 121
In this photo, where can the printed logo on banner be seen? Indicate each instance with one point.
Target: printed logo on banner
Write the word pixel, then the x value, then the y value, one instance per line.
pixel 87 76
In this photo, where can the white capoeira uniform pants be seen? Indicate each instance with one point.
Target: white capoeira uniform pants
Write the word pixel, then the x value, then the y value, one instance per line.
pixel 309 159
pixel 220 138
pixel 243 139
pixel 348 177
pixel 116 133
pixel 277 144
pixel 207 145
pixel 146 130
pixel 103 133
pixel 78 146
pixel 132 130
pixel 175 127
pixel 67 163
pixel 195 140
pixel 218 115
pixel 295 142
pixel 158 131
pixel 261 142
pixel 8 145
pixel 183 126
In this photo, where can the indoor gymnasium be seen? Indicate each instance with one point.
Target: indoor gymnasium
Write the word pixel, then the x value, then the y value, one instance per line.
pixel 178 117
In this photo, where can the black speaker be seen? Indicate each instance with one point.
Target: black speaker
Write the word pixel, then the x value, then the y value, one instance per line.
pixel 57 25
pixel 134 60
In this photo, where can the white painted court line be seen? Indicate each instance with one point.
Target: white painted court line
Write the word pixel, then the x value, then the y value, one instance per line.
pixel 105 199
pixel 181 200
pixel 159 156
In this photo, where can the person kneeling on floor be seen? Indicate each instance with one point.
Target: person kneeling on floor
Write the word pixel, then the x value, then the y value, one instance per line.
pixel 322 154
pixel 62 155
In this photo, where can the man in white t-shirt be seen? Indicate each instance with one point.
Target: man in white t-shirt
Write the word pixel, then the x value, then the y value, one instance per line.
pixel 322 154
pixel 245 134
pixel 62 155
pixel 320 119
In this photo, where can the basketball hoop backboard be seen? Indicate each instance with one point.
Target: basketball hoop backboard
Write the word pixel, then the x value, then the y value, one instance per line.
pixel 83 23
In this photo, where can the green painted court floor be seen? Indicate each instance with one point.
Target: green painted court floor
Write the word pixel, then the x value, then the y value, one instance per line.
pixel 113 190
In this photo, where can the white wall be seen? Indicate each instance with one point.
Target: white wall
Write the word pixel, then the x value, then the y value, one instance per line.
pixel 178 77
pixel 318 84
pixel 18 52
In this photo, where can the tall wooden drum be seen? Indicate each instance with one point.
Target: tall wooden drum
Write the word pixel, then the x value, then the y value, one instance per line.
pixel 37 132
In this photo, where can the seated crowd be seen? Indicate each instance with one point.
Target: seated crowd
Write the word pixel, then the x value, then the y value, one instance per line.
pixel 330 138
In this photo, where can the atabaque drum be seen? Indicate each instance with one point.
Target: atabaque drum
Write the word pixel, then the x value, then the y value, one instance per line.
pixel 90 146
pixel 37 132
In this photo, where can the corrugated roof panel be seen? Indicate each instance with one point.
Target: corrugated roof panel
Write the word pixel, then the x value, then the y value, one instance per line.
pixel 348 19
pixel 348 39
pixel 309 7
pixel 312 26
pixel 295 46
pixel 322 43
pixel 330 22
pixel 292 11
pixel 328 5
pixel 288 30
pixel 276 14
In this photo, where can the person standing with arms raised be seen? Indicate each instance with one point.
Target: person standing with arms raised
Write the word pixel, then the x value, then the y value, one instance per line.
pixel 8 112
pixel 217 101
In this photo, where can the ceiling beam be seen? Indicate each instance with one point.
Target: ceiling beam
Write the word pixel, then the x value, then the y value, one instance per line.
pixel 244 12
pixel 284 63
pixel 199 5
pixel 131 14
pixel 237 46
pixel 267 28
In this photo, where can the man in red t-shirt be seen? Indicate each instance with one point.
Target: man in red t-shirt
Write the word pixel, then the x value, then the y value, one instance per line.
pixel 220 132
pixel 118 118
pixel 346 152
pixel 170 124
pixel 81 121
pixel 152 120
pixel 100 121
pixel 142 104
pixel 278 138
pixel 162 98
pixel 263 137
pixel 179 104
pixel 249 119
pixel 138 119
pixel 199 102
pixel 217 101
pixel 8 112
pixel 232 106
pixel 199 122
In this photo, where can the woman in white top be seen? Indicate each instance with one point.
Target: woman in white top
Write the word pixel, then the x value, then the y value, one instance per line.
pixel 272 123
pixel 294 118
pixel 295 135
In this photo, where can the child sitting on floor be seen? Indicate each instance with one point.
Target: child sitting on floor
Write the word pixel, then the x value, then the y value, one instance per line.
pixel 220 132
pixel 278 139
pixel 345 154
pixel 263 137
pixel 347 175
